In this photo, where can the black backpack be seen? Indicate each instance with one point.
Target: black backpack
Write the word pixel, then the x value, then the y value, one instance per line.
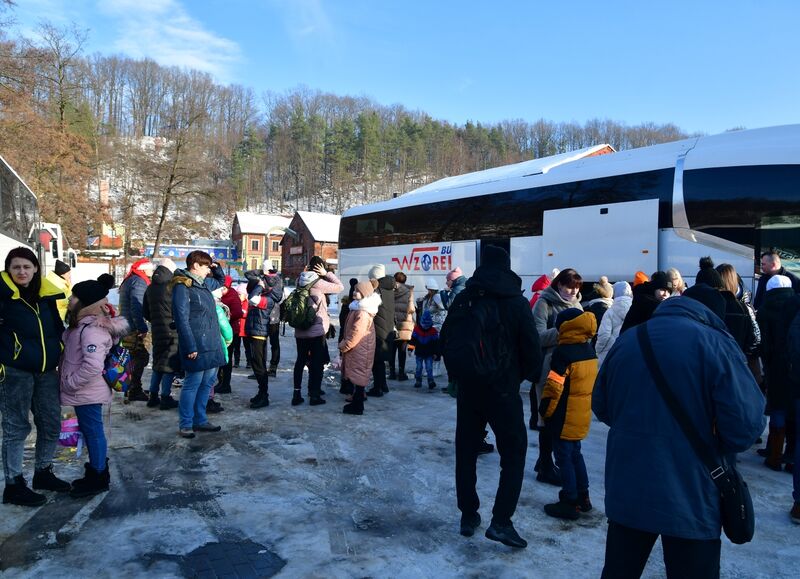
pixel 474 340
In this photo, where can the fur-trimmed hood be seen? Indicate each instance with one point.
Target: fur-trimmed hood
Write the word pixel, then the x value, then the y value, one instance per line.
pixel 369 304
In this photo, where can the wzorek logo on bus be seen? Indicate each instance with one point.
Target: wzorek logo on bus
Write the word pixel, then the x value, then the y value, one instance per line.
pixel 431 258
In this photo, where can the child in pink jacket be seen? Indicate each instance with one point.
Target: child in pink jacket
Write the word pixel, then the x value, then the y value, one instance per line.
pixel 91 333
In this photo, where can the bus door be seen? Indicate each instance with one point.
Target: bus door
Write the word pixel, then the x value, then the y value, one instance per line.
pixel 614 239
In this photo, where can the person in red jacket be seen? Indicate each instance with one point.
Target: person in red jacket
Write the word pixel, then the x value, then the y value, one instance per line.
pixel 231 299
pixel 541 283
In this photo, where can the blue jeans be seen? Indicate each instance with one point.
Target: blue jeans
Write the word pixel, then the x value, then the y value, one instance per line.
pixel 20 393
pixel 90 422
pixel 428 368
pixel 194 397
pixel 573 470
pixel 165 379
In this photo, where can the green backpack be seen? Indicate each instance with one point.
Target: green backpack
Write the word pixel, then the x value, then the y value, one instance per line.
pixel 298 309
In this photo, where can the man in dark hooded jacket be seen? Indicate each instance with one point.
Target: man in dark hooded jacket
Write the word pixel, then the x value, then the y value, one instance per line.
pixel 384 329
pixel 771 265
pixel 496 401
pixel 655 482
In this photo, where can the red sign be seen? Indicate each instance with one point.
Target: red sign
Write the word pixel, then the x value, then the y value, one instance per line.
pixel 430 258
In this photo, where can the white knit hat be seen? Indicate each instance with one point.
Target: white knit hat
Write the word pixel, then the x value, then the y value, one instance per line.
pixel 431 284
pixel 377 272
pixel 778 281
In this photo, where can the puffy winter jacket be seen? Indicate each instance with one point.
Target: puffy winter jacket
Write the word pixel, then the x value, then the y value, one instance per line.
pixel 261 302
pixel 384 319
pixel 609 328
pixel 404 311
pixel 566 404
pixel 194 311
pixel 794 354
pixel 358 344
pixel 540 284
pixel 654 480
pixel 85 349
pixel 30 335
pixel 131 302
pixel 157 309
pixel 225 329
pixel 330 284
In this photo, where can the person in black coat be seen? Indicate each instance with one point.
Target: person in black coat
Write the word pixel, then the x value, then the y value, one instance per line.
pixel 157 309
pixel 774 317
pixel 346 386
pixel 384 328
pixel 497 402
pixel 771 265
pixel 794 366
pixel 646 297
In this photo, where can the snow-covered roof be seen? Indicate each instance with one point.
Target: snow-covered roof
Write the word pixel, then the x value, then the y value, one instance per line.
pixel 260 223
pixel 322 226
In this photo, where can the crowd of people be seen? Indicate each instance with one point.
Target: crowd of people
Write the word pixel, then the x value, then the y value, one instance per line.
pixel 731 360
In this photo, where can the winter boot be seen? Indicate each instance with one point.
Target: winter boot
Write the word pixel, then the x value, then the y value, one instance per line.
pixel 154 400
pixel 505 534
pixel 136 394
pixel 565 508
pixel 431 385
pixel 375 391
pixel 418 383
pixel 402 377
pixel 223 389
pixel 392 373
pixel 584 504
pixel 213 407
pixel 774 460
pixel 93 482
pixel 469 523
pixel 297 399
pixel 273 371
pixel 167 403
pixel 315 400
pixel 45 480
pixel 262 398
pixel 357 405
pixel 18 493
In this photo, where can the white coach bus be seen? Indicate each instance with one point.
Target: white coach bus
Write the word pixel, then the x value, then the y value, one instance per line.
pixel 599 211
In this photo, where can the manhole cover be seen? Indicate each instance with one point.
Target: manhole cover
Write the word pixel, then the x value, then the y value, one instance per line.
pixel 241 559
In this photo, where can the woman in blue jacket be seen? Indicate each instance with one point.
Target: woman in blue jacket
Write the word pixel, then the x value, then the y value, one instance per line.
pixel 30 346
pixel 194 312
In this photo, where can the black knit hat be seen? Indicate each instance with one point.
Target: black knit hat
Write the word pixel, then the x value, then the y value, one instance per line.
pixel 106 279
pixel 61 268
pixel 708 275
pixel 495 257
pixel 89 292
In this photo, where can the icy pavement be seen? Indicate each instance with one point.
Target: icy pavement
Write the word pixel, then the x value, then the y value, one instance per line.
pixel 311 492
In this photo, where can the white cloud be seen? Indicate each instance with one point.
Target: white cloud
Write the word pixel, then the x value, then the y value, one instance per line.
pixel 304 19
pixel 165 31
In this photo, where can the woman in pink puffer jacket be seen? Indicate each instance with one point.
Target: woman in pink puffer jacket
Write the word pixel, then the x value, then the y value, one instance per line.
pixel 88 339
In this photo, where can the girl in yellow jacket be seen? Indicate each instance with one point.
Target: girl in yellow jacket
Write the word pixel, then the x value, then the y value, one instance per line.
pixel 566 408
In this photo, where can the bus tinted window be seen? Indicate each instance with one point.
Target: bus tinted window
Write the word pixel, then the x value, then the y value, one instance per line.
pixel 502 215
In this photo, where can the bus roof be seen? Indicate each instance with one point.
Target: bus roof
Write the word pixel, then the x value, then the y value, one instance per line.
pixel 774 145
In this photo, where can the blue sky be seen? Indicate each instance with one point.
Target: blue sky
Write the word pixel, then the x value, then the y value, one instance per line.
pixel 705 65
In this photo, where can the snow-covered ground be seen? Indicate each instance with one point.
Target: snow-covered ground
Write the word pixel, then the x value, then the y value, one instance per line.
pixel 333 496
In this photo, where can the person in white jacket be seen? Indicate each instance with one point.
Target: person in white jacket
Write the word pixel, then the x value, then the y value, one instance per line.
pixel 612 320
